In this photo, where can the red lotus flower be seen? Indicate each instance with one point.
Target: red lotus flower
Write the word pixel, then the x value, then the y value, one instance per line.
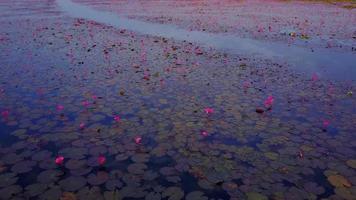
pixel 209 110
pixel 138 139
pixel 59 160
pixel 101 160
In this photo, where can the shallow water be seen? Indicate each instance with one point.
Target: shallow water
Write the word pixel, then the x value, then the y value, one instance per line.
pixel 328 63
pixel 65 80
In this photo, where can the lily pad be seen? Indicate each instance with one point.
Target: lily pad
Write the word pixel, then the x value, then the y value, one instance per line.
pixel 116 174
pixel 314 188
pixel 35 189
pixel 133 192
pixel 74 153
pixel 19 132
pixel 68 196
pixel 256 196
pixel 168 171
pixel 73 183
pixel 81 171
pixel 271 155
pixel 11 158
pixel 153 196
pixel 93 161
pixel 345 193
pixel 351 163
pixel 173 193
pixel 48 164
pixel 7 179
pixel 205 184
pixel 112 195
pixel 93 193
pixel 339 181
pixel 173 179
pixel 75 164
pixel 51 194
pixel 19 145
pixel 2 167
pixel 113 184
pixel 10 191
pixel 49 176
pixel 97 179
pixel 121 157
pixel 42 155
pixel 98 150
pixel 196 195
pixel 137 168
pixel 23 166
pixel 140 158
pixel 131 180
pixel 150 175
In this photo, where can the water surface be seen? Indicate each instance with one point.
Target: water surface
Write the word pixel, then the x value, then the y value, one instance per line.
pixel 330 64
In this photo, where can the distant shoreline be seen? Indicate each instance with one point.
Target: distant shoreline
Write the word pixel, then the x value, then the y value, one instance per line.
pixel 348 4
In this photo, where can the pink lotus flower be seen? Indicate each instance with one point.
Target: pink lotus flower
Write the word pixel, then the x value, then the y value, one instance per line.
pixel 204 133
pixel 101 160
pixel 326 123
pixel 59 160
pixel 138 139
pixel 5 113
pixel 315 77
pixel 198 51
pixel 269 101
pixel 246 84
pixel 60 108
pixel 85 103
pixel 82 125
pixel 117 118
pixel 208 110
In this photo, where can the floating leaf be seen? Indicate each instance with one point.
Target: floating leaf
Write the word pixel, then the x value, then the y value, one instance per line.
pixel 73 183
pixel 92 193
pixel 11 158
pixel 42 155
pixel 196 195
pixel 75 164
pixel 68 196
pixel 7 179
pixel 256 196
pixel 8 192
pixel 97 179
pixel 52 193
pixel 351 163
pixel 339 181
pixel 137 168
pixel 113 184
pixel 173 193
pixel 153 196
pixel 272 155
pixel 140 158
pixel 49 176
pixel 35 189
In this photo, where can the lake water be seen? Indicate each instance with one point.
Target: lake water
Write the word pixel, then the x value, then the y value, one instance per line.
pixel 100 105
